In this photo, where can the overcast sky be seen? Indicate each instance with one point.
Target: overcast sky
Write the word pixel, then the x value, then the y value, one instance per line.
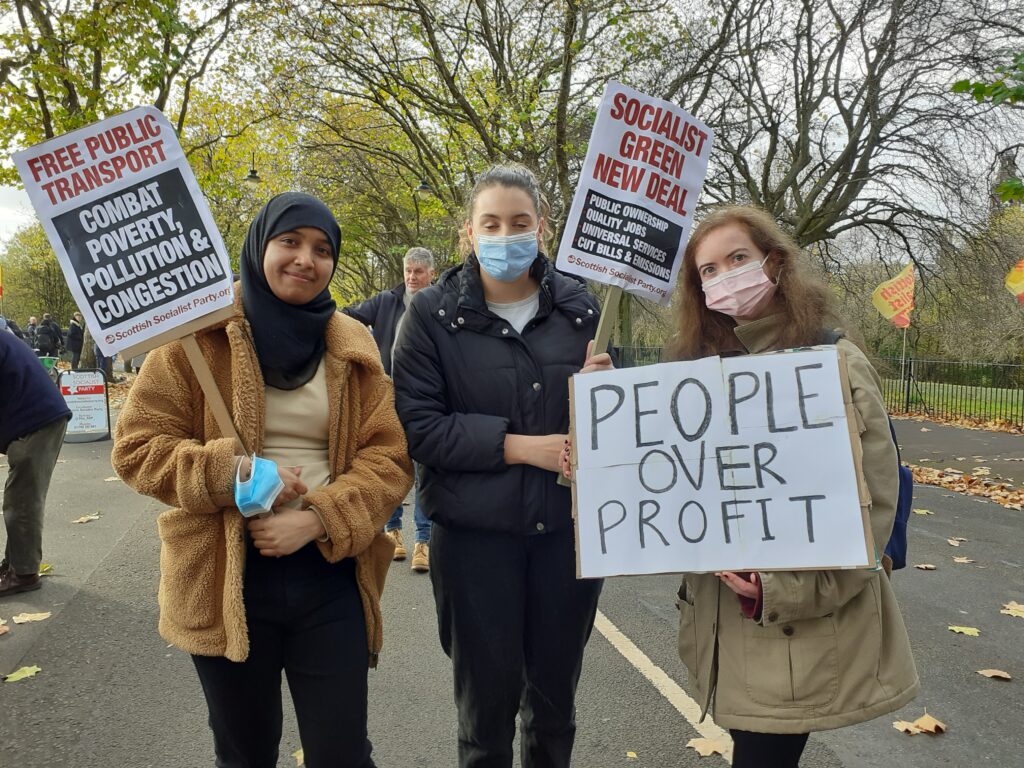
pixel 15 211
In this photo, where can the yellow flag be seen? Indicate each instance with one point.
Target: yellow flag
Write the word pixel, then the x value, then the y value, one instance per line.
pixel 1015 281
pixel 895 298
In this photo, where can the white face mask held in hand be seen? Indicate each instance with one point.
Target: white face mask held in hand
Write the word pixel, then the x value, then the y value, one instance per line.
pixel 741 292
pixel 256 495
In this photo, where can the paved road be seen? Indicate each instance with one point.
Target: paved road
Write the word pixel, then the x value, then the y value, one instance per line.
pixel 938 446
pixel 112 693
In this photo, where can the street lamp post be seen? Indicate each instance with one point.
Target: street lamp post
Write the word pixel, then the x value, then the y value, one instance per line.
pixel 253 179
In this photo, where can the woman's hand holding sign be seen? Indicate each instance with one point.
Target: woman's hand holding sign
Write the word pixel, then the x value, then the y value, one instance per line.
pixel 593 363
pixel 738 583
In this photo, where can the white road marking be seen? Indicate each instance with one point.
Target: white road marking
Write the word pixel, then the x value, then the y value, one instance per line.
pixel 665 685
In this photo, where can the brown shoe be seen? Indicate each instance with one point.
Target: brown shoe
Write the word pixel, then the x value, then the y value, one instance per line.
pixel 421 557
pixel 11 583
pixel 396 538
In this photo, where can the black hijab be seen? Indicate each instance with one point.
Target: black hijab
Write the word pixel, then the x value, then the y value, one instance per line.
pixel 289 338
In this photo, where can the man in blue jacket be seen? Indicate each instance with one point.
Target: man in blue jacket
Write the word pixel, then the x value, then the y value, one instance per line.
pixel 33 419
pixel 384 314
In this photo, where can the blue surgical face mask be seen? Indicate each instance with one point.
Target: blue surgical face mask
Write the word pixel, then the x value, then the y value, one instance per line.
pixel 256 495
pixel 506 257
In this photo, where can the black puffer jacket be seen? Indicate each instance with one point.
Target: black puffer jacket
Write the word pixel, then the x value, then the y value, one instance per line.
pixel 464 379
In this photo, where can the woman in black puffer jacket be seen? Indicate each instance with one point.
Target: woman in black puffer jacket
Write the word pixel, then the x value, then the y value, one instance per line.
pixel 481 369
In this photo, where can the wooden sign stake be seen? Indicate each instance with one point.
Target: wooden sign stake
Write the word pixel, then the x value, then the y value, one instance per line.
pixel 609 313
pixel 210 390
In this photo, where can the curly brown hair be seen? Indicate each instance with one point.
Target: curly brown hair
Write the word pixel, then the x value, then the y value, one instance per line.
pixel 802 296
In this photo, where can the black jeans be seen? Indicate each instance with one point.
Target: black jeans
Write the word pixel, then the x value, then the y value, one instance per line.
pixel 767 750
pixel 514 620
pixel 304 616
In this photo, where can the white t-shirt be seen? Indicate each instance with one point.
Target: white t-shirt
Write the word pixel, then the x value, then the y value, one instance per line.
pixel 518 313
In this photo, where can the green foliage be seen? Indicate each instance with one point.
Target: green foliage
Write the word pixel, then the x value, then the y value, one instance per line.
pixel 1007 89
pixel 66 65
pixel 33 280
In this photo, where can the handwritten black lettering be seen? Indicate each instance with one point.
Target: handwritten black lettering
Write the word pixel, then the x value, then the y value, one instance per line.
pixel 595 419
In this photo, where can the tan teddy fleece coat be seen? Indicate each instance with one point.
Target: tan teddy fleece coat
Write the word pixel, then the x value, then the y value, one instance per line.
pixel 167 445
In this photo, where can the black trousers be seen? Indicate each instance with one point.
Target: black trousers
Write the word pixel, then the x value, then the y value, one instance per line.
pixel 514 620
pixel 304 616
pixel 767 750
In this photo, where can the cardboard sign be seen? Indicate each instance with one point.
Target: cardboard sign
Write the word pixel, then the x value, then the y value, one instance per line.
pixel 631 215
pixel 741 463
pixel 85 392
pixel 130 228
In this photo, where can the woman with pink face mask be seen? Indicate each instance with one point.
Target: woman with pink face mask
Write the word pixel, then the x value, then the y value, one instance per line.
pixel 779 655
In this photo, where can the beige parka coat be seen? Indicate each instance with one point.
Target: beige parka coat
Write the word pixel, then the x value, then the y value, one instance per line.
pixel 830 648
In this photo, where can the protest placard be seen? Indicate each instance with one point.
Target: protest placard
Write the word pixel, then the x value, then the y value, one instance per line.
pixel 894 299
pixel 638 188
pixel 131 230
pixel 740 463
pixel 85 392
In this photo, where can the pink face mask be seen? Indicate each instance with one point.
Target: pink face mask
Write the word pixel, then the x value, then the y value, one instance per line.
pixel 741 292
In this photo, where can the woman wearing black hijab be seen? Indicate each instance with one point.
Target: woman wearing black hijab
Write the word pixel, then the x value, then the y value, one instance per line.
pixel 299 590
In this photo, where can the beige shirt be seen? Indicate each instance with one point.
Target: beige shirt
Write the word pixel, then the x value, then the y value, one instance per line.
pixel 296 430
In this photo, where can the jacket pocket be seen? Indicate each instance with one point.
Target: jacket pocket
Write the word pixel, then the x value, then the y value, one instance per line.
pixel 794 664
pixel 191 562
pixel 688 632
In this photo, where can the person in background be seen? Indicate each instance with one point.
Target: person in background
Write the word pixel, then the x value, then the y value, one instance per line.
pixel 30 331
pixel 76 339
pixel 299 590
pixel 33 420
pixel 384 313
pixel 481 373
pixel 48 337
pixel 15 329
pixel 780 655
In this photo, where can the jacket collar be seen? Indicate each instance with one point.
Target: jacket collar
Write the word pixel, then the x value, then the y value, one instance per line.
pixel 760 335
pixel 463 304
pixel 346 338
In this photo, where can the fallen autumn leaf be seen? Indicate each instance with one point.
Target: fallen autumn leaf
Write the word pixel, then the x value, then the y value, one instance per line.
pixel 969 631
pixel 24 618
pixel 995 674
pixel 906 727
pixel 925 567
pixel 707 747
pixel 631 755
pixel 1013 608
pixel 113 479
pixel 21 674
pixel 300 757
pixel 929 724
pixel 962 560
pixel 86 518
pixel 923 512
